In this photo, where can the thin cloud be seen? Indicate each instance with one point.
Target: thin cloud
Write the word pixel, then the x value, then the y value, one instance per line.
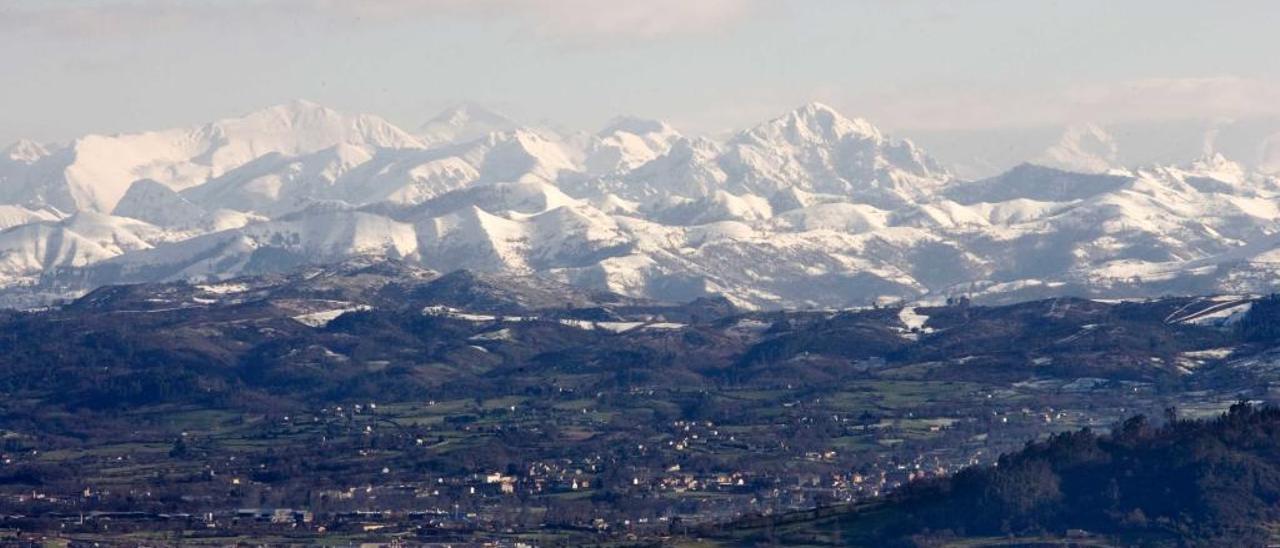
pixel 98 19
pixel 555 20
pixel 646 19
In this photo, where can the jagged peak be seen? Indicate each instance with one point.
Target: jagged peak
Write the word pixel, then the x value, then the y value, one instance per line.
pixel 824 112
pixel 25 151
pixel 814 122
pixel 464 122
pixel 292 109
pixel 636 125
pixel 312 126
pixel 523 134
pixel 815 108
pixel 689 146
pixel 303 111
pixel 468 112
pixel 530 140
pixel 1084 147
pixel 1215 165
pixel 1214 160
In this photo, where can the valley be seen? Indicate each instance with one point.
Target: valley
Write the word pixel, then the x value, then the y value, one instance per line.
pixel 376 400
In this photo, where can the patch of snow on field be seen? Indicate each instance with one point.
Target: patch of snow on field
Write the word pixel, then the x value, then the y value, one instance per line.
pixel 914 321
pixel 450 312
pixel 1210 354
pixel 1219 315
pixel 321 319
pixel 664 325
pixel 618 327
pixel 503 334
pixel 223 289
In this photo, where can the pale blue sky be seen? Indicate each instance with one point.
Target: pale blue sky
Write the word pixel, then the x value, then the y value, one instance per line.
pixel 73 66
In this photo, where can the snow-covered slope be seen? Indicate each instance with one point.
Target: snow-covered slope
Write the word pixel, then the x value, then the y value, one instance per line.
pixel 95 171
pixel 627 143
pixel 13 215
pixel 315 236
pixel 689 168
pixel 158 204
pixel 811 208
pixel 46 247
pixel 277 183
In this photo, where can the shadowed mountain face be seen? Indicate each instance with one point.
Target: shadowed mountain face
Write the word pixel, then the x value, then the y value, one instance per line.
pixel 810 208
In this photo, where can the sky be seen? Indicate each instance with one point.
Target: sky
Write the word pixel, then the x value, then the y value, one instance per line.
pixel 79 66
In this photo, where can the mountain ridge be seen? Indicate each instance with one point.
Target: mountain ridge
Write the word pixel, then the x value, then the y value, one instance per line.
pixel 809 208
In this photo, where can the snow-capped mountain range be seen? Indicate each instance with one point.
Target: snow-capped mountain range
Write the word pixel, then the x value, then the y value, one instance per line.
pixel 808 209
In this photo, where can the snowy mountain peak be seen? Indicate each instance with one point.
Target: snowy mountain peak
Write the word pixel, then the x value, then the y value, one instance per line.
pixel 689 168
pixel 819 150
pixel 158 204
pixel 1083 147
pixel 523 135
pixel 96 170
pixel 521 154
pixel 302 126
pixel 816 110
pixel 1217 166
pixel 1216 162
pixel 627 143
pixel 636 126
pixel 815 122
pixel 12 215
pixel 297 106
pixel 468 113
pixel 26 152
pixel 464 122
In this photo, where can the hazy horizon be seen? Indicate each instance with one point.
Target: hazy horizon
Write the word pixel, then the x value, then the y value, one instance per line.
pixel 915 68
